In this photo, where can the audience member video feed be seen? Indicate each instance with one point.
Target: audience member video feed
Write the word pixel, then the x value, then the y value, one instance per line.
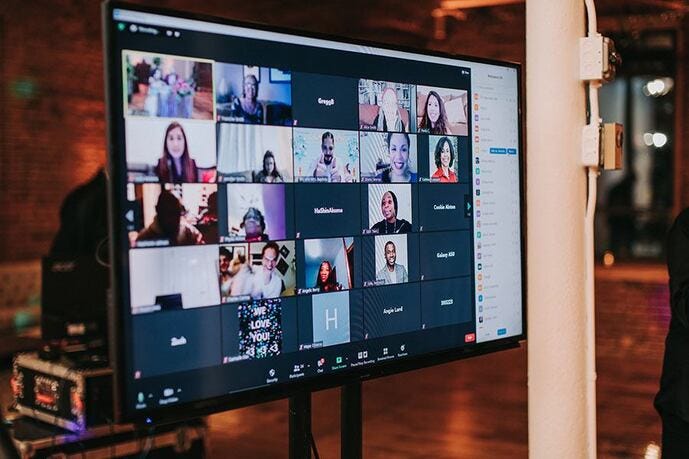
pixel 170 151
pixel 389 209
pixel 253 95
pixel 164 86
pixel 391 259
pixel 443 159
pixel 328 265
pixel 255 212
pixel 160 280
pixel 324 101
pixel 388 157
pixel 326 156
pixel 258 154
pixel 256 271
pixel 441 111
pixel 260 328
pixel 386 106
pixel 184 214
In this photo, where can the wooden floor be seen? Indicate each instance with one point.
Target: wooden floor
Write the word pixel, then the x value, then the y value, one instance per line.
pixel 477 408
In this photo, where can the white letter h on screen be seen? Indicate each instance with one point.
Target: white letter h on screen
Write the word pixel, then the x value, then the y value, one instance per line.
pixel 329 319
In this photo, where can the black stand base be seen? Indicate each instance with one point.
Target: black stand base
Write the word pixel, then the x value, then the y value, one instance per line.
pixel 351 439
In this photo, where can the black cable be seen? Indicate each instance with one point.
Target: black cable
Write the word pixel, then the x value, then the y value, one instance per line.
pixel 313 445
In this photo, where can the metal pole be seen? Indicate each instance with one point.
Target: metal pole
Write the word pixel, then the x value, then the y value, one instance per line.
pixel 556 203
pixel 300 426
pixel 351 438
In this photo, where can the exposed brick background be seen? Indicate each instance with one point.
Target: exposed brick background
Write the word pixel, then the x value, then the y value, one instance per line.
pixel 52 126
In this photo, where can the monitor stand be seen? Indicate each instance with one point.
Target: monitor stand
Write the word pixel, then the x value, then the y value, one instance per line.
pixel 300 435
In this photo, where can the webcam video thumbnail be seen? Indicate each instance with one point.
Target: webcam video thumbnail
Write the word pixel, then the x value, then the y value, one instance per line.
pixel 183 214
pixel 326 156
pixel 441 111
pixel 257 270
pixel 328 265
pixel 165 86
pixel 258 154
pixel 170 151
pixel 389 209
pixel 255 213
pixel 253 95
pixel 390 259
pixel 386 106
pixel 160 281
pixel 388 157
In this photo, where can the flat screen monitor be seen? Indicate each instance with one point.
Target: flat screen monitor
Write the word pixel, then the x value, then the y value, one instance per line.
pixel 292 211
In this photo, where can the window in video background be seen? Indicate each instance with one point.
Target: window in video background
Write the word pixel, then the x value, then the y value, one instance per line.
pixel 183 214
pixel 255 212
pixel 170 151
pixel 321 101
pixel 165 86
pixel 389 209
pixel 159 278
pixel 326 156
pixel 388 157
pixel 250 153
pixel 253 95
pixel 441 111
pixel 328 265
pixel 386 106
pixel 443 159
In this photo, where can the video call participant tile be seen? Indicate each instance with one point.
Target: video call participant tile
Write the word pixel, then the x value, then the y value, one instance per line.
pixel 252 95
pixel 444 254
pixel 389 208
pixel 168 342
pixel 386 106
pixel 446 302
pixel 390 259
pixel 329 319
pixel 444 159
pixel 441 207
pixel 324 101
pixel 442 111
pixel 168 86
pixel 327 210
pixel 388 157
pixel 254 212
pixel 159 278
pixel 391 310
pixel 170 150
pixel 257 270
pixel 325 155
pixel 328 265
pixel 254 154
pixel 185 214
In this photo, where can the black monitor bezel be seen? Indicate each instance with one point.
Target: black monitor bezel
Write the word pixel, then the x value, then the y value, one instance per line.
pixel 284 389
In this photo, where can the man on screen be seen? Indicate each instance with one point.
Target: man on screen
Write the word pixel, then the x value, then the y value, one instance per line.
pixel 392 273
pixel 327 163
pixel 266 282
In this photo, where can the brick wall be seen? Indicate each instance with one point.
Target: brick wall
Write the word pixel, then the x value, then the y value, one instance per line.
pixel 52 129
